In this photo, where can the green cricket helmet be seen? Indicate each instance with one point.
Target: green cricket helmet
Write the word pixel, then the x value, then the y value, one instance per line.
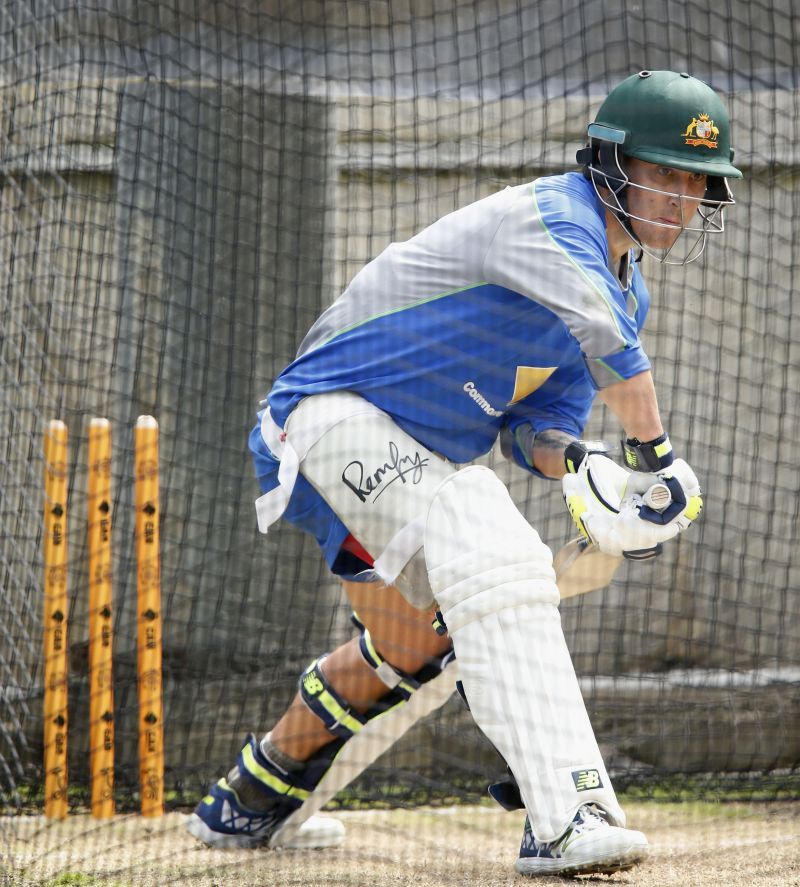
pixel 669 119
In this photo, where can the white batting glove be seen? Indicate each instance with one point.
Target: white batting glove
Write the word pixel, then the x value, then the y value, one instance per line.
pixel 609 505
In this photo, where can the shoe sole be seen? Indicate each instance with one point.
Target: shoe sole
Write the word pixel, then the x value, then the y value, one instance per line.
pixel 317 833
pixel 616 862
pixel 219 840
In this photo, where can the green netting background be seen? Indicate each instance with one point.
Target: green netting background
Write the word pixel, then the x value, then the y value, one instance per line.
pixel 185 186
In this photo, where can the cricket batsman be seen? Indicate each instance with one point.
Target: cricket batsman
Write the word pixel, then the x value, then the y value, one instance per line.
pixel 505 318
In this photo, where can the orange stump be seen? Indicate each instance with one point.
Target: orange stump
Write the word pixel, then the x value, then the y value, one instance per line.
pixel 151 733
pixel 55 620
pixel 101 681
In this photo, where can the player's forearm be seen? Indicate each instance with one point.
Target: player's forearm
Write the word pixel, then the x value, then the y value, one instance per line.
pixel 548 452
pixel 633 401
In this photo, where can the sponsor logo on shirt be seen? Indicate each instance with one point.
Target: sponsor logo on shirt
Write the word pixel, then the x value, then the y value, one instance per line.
pixel 480 400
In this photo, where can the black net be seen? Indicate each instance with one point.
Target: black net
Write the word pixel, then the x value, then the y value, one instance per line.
pixel 185 187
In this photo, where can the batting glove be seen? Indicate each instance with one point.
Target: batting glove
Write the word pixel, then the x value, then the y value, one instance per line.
pixel 609 505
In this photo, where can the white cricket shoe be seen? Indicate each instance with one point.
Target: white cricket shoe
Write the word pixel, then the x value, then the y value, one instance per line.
pixel 589 846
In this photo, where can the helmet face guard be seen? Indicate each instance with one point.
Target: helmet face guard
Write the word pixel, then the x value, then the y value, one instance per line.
pixel 612 183
pixel 670 120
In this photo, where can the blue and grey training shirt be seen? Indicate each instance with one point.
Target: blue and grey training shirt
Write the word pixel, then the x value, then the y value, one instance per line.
pixel 502 313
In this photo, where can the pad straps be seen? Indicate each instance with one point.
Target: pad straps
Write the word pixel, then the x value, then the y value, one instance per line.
pixel 334 712
pixel 333 709
pixel 404 685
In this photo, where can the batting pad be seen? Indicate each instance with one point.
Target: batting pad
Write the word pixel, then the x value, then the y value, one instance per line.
pixel 376 477
pixel 494 581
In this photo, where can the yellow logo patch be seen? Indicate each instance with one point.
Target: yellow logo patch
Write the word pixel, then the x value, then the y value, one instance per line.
pixel 528 379
pixel 312 684
pixel 702 131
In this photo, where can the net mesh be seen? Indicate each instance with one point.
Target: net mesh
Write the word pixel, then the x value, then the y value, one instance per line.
pixel 185 186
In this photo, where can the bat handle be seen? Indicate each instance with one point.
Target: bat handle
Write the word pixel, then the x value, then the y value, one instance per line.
pixel 658 497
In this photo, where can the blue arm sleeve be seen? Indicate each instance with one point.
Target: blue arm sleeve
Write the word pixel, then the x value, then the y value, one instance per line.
pixel 605 371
